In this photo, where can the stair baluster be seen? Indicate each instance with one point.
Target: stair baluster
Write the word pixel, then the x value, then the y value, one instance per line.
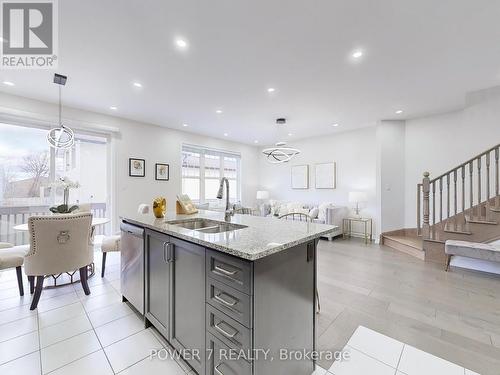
pixel 425 192
pixel 455 198
pixel 447 197
pixel 479 187
pixel 487 185
pixel 496 176
pixel 463 194
pixel 471 172
pixel 419 208
pixel 440 199
pixel 433 203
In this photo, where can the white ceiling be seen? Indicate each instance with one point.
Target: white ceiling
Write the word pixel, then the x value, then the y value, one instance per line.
pixel 420 56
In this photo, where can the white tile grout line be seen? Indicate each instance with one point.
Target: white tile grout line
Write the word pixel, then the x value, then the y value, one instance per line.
pixel 39 342
pixel 95 333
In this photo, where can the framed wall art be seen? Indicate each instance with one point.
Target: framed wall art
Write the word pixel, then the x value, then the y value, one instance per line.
pixel 136 167
pixel 300 177
pixel 162 172
pixel 326 176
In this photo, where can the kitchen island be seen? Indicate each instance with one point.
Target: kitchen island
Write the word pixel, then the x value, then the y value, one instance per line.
pixel 231 298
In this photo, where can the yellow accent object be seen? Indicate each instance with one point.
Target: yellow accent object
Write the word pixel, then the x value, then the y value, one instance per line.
pixel 160 207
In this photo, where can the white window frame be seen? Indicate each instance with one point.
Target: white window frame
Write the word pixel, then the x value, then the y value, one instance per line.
pixel 210 151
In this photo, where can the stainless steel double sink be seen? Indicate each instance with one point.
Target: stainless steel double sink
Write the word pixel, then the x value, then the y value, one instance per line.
pixel 206 225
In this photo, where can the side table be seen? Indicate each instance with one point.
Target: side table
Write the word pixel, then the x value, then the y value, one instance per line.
pixel 367 225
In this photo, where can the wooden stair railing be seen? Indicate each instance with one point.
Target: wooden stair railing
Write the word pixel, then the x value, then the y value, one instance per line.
pixel 462 195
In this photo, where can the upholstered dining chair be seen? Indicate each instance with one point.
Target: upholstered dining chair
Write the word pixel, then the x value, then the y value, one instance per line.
pixel 59 243
pixel 13 257
pixel 299 216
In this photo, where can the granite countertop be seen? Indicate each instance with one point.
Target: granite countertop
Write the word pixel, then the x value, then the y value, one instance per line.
pixel 262 237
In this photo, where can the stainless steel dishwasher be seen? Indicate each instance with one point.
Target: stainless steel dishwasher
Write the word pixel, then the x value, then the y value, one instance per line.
pixel 132 265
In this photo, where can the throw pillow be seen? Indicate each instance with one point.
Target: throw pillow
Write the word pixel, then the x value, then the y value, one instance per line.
pixel 314 212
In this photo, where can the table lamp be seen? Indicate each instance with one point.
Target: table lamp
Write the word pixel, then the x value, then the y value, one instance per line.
pixel 357 197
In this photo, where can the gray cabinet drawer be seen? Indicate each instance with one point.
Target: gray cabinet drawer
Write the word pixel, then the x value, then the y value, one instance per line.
pixel 228 330
pixel 230 270
pixel 230 301
pixel 219 361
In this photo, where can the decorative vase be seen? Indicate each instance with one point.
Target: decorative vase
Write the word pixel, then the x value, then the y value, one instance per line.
pixel 159 207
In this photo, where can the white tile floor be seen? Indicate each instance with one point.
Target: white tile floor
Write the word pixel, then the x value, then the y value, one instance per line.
pixel 71 333
pixel 376 354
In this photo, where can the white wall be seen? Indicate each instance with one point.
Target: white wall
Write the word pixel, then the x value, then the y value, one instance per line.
pixel 391 174
pixel 146 141
pixel 355 154
pixel 439 143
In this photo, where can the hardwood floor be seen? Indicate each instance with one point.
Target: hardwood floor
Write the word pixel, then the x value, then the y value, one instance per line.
pixel 454 315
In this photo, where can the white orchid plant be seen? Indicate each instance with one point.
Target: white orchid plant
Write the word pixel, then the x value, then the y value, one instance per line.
pixel 66 184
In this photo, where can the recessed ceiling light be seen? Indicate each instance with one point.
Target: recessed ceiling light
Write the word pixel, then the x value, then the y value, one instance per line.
pixel 357 54
pixel 218 111
pixel 225 134
pixel 271 89
pixel 113 108
pixel 185 125
pixel 181 43
pixel 256 141
pixel 8 83
pixel 137 84
pixel 399 111
pixel 335 125
pixel 290 134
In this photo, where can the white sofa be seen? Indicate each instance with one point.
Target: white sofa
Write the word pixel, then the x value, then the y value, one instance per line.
pixel 324 213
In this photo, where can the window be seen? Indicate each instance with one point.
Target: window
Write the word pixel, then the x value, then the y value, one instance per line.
pixel 202 169
pixel 29 166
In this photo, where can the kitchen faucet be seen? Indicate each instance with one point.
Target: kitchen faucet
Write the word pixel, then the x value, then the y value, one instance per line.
pixel 229 211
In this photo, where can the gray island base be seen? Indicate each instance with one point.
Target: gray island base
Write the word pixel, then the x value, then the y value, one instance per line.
pixel 227 314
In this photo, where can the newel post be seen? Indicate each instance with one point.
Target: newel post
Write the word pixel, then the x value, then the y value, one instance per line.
pixel 426 231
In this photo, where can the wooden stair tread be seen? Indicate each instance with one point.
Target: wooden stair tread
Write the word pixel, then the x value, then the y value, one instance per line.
pixel 410 245
pixel 414 242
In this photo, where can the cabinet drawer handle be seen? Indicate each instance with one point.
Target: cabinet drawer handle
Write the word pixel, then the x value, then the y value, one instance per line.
pixel 223 301
pixel 224 332
pixel 216 368
pixel 224 271
pixel 164 252
pixel 167 253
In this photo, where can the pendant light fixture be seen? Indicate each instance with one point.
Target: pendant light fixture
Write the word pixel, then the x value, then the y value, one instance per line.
pixel 280 153
pixel 62 136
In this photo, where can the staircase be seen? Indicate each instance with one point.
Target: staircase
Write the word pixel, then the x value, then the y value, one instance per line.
pixel 461 204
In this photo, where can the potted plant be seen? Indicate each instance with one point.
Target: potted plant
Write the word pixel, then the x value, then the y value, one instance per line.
pixel 66 184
